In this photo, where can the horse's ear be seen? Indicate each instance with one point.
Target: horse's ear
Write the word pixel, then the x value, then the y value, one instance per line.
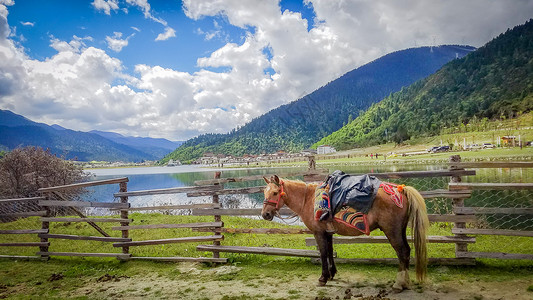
pixel 276 179
pixel 266 180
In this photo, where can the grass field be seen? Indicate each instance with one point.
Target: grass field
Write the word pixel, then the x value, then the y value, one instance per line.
pixel 37 279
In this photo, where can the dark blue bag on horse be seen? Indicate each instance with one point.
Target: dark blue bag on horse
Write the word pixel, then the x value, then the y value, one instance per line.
pixel 358 192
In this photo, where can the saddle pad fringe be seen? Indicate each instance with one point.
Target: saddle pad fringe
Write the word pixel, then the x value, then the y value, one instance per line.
pixel 352 218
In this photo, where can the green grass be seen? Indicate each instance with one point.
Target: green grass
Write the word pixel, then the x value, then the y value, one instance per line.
pixel 32 278
pixel 297 241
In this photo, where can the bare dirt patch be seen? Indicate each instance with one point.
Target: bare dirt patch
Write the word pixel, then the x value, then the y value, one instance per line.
pixel 195 282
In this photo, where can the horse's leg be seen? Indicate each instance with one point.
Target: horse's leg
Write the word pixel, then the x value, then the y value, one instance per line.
pixel 322 242
pixel 332 267
pixel 398 240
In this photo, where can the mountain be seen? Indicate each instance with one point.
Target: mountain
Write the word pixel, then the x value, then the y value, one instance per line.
pixel 493 82
pixel 297 125
pixel 16 130
pixel 157 147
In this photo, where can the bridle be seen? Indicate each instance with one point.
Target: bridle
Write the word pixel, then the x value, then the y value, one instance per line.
pixel 276 203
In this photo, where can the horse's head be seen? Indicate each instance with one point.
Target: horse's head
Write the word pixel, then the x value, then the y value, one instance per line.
pixel 273 197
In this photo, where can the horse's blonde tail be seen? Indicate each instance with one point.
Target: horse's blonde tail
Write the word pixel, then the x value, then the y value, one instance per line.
pixel 419 224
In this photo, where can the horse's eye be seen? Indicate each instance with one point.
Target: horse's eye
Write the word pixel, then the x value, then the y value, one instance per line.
pixel 275 193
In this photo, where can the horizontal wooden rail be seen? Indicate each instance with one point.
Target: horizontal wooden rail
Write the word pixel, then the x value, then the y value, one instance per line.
pixel 493 210
pixel 117 255
pixel 182 259
pixel 455 186
pixel 260 250
pixel 286 211
pixel 239 191
pixel 383 239
pixel 83 204
pixel 419 174
pixel 498 255
pixel 407 174
pixel 25 244
pixel 171 241
pixel 176 190
pixel 24 231
pixel 105 220
pixel 235 212
pixel 245 178
pixel 258 230
pixel 24 214
pixel 22 199
pixel 394 261
pixel 170 207
pixel 164 226
pixel 506 232
pixel 441 193
pixel 20 257
pixel 492 164
pixel 452 218
pixel 82 185
pixel 84 238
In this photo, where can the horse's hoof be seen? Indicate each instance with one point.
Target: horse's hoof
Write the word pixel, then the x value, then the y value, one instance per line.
pixel 397 288
pixel 321 283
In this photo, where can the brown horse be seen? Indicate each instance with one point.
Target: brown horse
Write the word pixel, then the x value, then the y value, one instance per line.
pixel 384 214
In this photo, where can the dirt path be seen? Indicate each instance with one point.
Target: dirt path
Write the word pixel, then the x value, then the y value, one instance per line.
pixel 194 283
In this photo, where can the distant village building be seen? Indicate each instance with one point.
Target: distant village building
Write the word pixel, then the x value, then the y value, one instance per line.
pixel 173 163
pixel 307 152
pixel 325 149
pixel 508 140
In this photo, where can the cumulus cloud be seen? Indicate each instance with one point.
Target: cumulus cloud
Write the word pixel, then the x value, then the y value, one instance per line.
pixel 106 5
pixel 169 33
pixel 279 59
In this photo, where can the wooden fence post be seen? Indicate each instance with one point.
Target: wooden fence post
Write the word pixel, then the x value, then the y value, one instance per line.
pixel 218 218
pixel 45 225
pixel 124 215
pixel 458 202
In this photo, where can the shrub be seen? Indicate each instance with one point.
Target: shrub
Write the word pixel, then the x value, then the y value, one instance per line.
pixel 24 170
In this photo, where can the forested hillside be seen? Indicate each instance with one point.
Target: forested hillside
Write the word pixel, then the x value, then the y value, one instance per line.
pixel 299 124
pixel 494 81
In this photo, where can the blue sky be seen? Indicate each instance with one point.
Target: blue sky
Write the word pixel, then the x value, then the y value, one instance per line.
pixel 64 19
pixel 177 69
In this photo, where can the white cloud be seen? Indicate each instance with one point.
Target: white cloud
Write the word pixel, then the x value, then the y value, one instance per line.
pixel 31 24
pixel 115 42
pixel 106 5
pixel 84 88
pixel 144 6
pixel 169 33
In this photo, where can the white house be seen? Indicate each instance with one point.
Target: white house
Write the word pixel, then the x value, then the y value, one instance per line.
pixel 325 149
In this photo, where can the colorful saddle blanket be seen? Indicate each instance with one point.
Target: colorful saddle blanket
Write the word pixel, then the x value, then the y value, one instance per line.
pixel 350 215
pixel 352 218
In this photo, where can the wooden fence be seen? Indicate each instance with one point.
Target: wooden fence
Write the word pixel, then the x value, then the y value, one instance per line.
pixel 214 188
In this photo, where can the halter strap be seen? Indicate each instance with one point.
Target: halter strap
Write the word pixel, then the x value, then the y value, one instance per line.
pixel 276 202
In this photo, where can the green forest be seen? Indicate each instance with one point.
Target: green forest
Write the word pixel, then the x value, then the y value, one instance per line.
pixel 495 81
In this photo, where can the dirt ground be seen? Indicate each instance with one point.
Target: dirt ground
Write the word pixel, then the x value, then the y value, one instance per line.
pixel 346 286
